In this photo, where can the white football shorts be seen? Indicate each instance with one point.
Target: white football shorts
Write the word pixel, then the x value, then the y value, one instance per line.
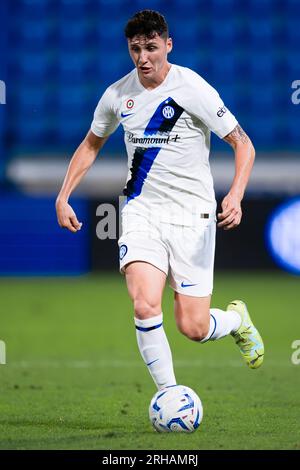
pixel 186 253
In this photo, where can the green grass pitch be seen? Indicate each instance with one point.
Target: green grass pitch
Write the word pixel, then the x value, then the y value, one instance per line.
pixel 74 378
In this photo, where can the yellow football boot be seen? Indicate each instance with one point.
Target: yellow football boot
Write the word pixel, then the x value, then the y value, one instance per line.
pixel 247 337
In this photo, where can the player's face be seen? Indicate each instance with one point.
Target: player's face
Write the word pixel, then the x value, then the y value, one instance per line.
pixel 150 55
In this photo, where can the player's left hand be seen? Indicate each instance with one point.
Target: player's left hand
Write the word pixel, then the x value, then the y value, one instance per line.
pixel 231 214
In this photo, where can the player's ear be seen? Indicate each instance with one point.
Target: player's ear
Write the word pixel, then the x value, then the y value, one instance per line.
pixel 169 45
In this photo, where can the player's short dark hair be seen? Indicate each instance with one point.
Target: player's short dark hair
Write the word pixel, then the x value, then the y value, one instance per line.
pixel 147 23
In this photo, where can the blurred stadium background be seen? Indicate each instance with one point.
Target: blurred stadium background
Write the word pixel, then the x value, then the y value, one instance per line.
pixel 57 58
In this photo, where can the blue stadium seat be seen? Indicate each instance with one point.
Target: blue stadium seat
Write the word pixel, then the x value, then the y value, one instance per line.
pixel 260 7
pixel 74 9
pixel 109 72
pixel 36 31
pixel 114 3
pixel 33 98
pixel 292 8
pixel 221 11
pixel 137 5
pixel 188 59
pixel 225 69
pixel 262 129
pixel 261 33
pixel 293 131
pixel 76 34
pixel 72 131
pixel 63 54
pixel 262 100
pixel 188 5
pixel 261 68
pixel 34 10
pixel 292 64
pixel 34 66
pixel 223 34
pixel 293 33
pixel 31 131
pixel 71 97
pixel 115 32
pixel 74 67
pixel 227 93
pixel 186 31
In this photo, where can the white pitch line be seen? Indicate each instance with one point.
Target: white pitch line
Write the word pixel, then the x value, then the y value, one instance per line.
pixel 55 364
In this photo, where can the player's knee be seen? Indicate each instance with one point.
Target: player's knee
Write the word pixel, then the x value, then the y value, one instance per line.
pixel 144 309
pixel 192 330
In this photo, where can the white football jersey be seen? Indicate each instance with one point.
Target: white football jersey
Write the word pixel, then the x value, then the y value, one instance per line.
pixel 167 137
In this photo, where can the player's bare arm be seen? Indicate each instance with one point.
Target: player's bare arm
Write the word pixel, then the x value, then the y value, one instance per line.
pixel 81 161
pixel 231 214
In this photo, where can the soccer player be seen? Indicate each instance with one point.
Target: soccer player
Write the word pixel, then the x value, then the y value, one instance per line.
pixel 168 219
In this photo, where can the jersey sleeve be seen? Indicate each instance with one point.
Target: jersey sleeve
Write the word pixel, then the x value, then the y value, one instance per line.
pixel 105 120
pixel 205 103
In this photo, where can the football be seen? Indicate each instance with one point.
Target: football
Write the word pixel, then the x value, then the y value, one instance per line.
pixel 176 408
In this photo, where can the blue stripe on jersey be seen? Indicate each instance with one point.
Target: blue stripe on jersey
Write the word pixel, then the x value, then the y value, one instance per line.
pixel 140 171
pixel 159 123
pixel 156 120
pixel 144 157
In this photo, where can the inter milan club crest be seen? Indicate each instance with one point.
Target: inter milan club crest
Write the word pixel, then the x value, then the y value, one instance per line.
pixel 130 104
pixel 168 112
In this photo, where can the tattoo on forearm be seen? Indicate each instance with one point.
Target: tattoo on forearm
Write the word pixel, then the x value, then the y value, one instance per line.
pixel 236 135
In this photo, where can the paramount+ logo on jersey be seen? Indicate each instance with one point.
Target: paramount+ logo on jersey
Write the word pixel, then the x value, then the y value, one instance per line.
pixel 151 140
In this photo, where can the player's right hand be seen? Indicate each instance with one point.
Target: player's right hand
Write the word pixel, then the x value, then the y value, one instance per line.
pixel 66 217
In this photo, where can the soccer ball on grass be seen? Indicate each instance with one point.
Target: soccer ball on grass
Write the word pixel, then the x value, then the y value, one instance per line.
pixel 176 408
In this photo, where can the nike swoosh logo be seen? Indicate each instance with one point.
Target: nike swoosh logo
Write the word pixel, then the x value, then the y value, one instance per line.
pixel 149 363
pixel 125 115
pixel 187 285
